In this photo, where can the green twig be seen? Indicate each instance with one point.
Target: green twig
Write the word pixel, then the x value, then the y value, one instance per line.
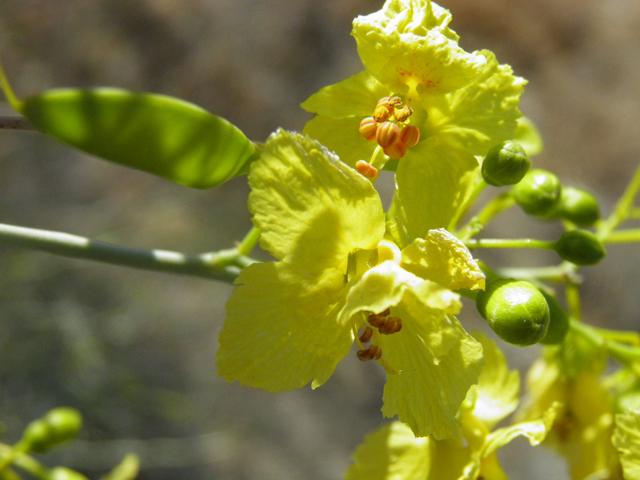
pixel 477 223
pixel 622 210
pixel 477 190
pixel 249 241
pixel 510 243
pixel 224 265
pixel 563 273
pixel 623 236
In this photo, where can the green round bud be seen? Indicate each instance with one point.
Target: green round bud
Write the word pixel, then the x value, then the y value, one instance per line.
pixel 505 164
pixel 515 310
pixel 64 473
pixel 65 423
pixel 538 192
pixel 37 436
pixel 558 322
pixel 580 247
pixel 578 206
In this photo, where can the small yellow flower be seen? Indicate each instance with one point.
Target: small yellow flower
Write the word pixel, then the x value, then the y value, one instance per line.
pixel 291 321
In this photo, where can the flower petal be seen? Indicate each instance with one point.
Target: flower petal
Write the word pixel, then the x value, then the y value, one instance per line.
pixel 357 96
pixel 281 329
pixel 627 440
pixel 394 453
pixel 342 137
pixel 496 394
pixel 433 181
pixel 428 391
pixel 434 360
pixel 442 258
pixel 313 209
pixel 481 114
pixel 408 47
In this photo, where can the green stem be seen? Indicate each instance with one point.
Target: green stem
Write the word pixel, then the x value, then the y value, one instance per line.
pixel 623 236
pixel 492 209
pixel 15 122
pixel 558 273
pixel 506 243
pixel 249 241
pixel 622 209
pixel 224 265
pixel 8 91
pixel 477 190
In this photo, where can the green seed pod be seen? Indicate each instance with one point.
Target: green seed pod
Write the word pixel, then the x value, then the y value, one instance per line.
pixel 515 310
pixel 505 164
pixel 558 322
pixel 578 206
pixel 538 192
pixel 580 247
pixel 64 423
pixel 161 135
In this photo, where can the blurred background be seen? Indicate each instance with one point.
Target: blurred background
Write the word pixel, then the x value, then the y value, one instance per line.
pixel 133 350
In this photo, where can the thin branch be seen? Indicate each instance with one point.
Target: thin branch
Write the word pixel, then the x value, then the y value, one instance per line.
pixel 15 122
pixel 224 265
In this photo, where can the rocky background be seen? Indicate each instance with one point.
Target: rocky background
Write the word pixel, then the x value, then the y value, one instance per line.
pixel 135 350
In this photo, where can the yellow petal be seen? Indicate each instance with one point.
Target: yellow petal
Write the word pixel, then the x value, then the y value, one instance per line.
pixel 281 330
pixel 496 394
pixel 442 258
pixel 627 441
pixel 313 209
pixel 408 47
pixel 356 96
pixel 432 181
pixel 394 453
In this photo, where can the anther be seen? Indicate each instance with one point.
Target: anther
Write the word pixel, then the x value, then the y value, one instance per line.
pixel 368 128
pixel 376 320
pixel 365 169
pixel 403 113
pixel 366 335
pixel 387 134
pixel 409 136
pixel 382 113
pixel 392 325
pixel 396 151
pixel 372 353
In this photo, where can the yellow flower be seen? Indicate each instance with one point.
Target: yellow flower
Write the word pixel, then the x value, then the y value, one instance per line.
pixel 461 103
pixel 291 321
pixel 394 453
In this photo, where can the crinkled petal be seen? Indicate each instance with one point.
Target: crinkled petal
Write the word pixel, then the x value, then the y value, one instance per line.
pixel 394 453
pixel 496 394
pixel 481 114
pixel 435 361
pixel 432 183
pixel 357 96
pixel 535 431
pixel 442 258
pixel 407 46
pixel 627 441
pixel 313 209
pixel 427 391
pixel 342 137
pixel 281 330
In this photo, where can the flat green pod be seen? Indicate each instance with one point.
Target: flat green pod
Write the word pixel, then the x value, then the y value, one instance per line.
pixel 161 135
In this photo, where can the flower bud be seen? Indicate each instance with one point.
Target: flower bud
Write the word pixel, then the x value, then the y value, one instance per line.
pixel 368 128
pixel 558 322
pixel 578 206
pixel 409 136
pixel 515 310
pixel 580 247
pixel 57 426
pixel 387 134
pixel 538 192
pixel 505 164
